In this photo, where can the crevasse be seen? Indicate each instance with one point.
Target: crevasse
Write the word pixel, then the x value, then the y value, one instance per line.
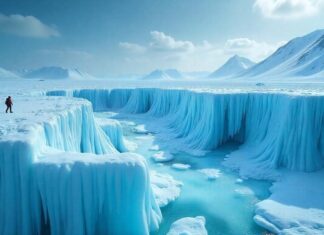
pixel 60 174
pixel 283 130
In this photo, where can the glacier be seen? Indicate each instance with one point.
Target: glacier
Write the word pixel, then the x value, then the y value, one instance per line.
pixel 66 175
pixel 278 131
pixel 281 130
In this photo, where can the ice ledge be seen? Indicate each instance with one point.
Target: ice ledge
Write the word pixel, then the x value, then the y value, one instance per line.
pixel 63 123
pixel 283 130
pixel 88 194
pixel 50 179
pixel 295 206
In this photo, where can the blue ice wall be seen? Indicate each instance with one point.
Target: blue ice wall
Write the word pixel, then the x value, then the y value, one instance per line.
pixel 64 176
pixel 114 131
pixel 101 99
pixel 110 194
pixel 76 131
pixel 284 130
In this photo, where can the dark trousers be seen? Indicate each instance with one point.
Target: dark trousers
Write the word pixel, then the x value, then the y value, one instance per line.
pixel 9 107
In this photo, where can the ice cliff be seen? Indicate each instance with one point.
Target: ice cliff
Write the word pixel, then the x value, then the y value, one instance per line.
pixel 61 174
pixel 283 130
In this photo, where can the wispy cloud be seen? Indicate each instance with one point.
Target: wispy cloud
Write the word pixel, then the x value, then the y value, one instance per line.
pixel 250 48
pixel 26 26
pixel 132 47
pixel 161 41
pixel 288 9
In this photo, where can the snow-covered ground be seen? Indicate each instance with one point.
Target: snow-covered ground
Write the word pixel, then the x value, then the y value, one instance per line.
pixel 280 128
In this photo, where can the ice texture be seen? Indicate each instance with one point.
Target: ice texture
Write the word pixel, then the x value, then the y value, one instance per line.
pixel 166 189
pixel 162 156
pixel 295 206
pixel 276 130
pixel 60 174
pixel 211 173
pixel 189 226
pixel 180 166
pixel 140 129
pixel 114 131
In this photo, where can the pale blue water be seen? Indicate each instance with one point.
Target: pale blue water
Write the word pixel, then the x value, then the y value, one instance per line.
pixel 226 211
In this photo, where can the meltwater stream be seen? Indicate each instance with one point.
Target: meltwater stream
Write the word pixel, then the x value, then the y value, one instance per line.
pixel 227 203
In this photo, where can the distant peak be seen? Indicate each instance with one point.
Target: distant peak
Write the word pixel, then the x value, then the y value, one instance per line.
pixel 233 66
pixel 164 74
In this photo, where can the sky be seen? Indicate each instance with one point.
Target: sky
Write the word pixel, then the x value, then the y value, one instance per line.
pixel 125 37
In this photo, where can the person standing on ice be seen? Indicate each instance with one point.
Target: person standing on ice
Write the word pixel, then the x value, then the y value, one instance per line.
pixel 9 104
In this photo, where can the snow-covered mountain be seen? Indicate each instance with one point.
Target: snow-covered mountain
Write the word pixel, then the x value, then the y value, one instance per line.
pixel 7 74
pixel 302 56
pixel 168 74
pixel 234 66
pixel 54 72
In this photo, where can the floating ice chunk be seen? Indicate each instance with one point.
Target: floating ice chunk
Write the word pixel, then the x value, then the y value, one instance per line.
pixel 162 156
pixel 244 191
pixel 239 180
pixel 165 188
pixel 189 226
pixel 180 166
pixel 154 148
pixel 295 206
pixel 211 173
pixel 144 137
pixel 140 129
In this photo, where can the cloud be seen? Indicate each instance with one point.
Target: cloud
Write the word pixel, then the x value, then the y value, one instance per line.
pixel 161 42
pixel 26 26
pixel 165 51
pixel 288 9
pixel 250 48
pixel 164 42
pixel 132 47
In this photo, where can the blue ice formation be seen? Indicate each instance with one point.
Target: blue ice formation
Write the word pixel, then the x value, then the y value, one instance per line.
pixel 60 174
pixel 284 130
pixel 101 99
pixel 109 194
pixel 114 131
